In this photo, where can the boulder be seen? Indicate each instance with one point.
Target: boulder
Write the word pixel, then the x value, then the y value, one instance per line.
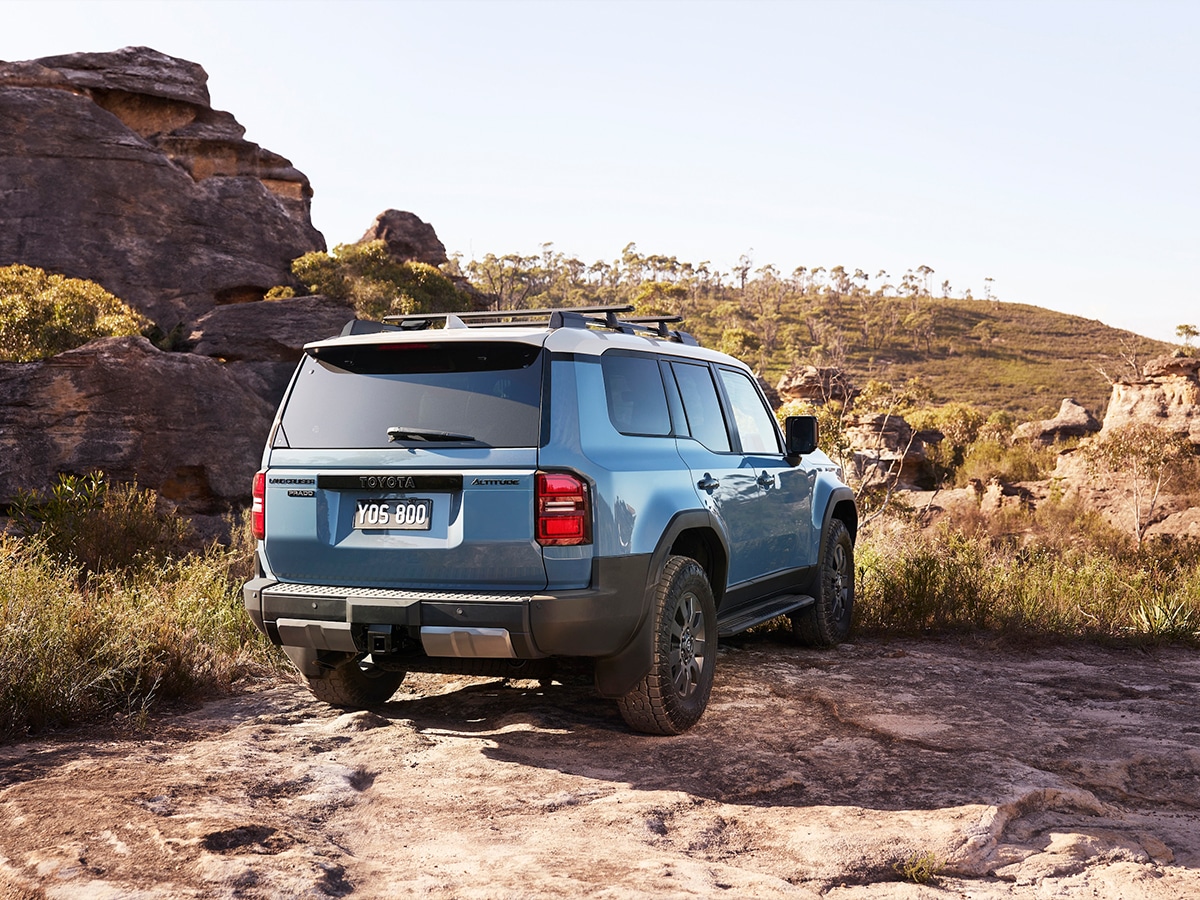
pixel 269 330
pixel 815 384
pixel 1181 525
pixel 1072 421
pixel 407 237
pixel 997 495
pixel 1167 395
pixel 885 448
pixel 260 343
pixel 179 423
pixel 114 167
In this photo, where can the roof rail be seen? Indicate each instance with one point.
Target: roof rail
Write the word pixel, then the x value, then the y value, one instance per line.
pixel 564 317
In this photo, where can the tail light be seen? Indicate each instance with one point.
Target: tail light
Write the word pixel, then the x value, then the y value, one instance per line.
pixel 258 510
pixel 563 510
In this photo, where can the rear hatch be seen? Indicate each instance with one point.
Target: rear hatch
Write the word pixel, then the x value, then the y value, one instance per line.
pixel 409 464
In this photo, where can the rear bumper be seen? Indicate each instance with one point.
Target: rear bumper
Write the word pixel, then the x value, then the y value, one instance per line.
pixel 596 621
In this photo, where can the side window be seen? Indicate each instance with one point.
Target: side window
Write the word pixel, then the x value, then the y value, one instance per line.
pixel 755 423
pixel 702 405
pixel 637 403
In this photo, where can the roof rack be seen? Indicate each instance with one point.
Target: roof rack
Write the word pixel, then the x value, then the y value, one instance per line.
pixel 565 317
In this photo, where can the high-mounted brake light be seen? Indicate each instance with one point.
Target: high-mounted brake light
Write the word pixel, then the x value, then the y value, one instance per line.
pixel 258 510
pixel 563 510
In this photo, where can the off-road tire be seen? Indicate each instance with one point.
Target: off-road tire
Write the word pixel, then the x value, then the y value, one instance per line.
pixel 352 686
pixel 827 622
pixel 674 693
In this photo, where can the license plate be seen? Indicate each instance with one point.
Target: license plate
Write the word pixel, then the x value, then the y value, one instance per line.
pixel 406 515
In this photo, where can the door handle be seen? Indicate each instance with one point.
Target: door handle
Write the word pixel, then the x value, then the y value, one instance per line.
pixel 767 480
pixel 708 483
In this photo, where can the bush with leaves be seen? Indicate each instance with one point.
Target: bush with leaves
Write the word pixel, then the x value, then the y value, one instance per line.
pixel 84 521
pixel 377 283
pixel 115 644
pixel 958 423
pixel 43 314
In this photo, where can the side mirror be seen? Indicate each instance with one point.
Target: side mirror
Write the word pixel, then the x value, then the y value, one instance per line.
pixel 802 434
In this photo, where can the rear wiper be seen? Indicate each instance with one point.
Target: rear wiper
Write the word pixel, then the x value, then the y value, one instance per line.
pixel 398 433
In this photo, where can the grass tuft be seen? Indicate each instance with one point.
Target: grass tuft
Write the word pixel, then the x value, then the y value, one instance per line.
pixel 80 646
pixel 951 582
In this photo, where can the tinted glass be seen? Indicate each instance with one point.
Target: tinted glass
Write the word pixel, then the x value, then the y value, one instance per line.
pixel 633 387
pixel 348 397
pixel 755 423
pixel 702 406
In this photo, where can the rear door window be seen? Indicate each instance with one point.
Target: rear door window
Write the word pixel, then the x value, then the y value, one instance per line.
pixel 702 405
pixel 457 393
pixel 633 387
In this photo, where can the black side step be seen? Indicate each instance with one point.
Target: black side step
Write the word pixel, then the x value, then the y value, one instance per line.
pixel 740 619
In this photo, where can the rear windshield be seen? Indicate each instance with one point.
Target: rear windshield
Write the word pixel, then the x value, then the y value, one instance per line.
pixel 461 394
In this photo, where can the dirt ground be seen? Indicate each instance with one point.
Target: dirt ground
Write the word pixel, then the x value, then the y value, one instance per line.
pixel 1008 772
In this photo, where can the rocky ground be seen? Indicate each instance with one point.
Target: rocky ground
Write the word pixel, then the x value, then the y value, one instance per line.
pixel 1008 772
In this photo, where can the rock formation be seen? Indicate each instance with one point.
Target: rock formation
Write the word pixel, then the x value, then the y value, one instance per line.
pixel 817 385
pixel 885 448
pixel 1167 395
pixel 115 167
pixel 180 423
pixel 407 237
pixel 260 343
pixel 1072 421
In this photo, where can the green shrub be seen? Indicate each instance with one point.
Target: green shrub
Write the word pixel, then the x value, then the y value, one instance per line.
pixel 42 314
pixel 959 424
pixel 118 643
pixel 915 583
pixel 989 458
pixel 377 283
pixel 85 522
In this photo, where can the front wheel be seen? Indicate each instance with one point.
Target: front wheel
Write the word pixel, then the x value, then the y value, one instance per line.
pixel 353 684
pixel 827 622
pixel 674 693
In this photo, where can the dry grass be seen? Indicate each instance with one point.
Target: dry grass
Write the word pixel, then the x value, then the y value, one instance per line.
pixel 80 647
pixel 950 581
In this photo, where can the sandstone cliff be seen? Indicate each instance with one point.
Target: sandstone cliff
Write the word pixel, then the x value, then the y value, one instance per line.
pixel 1167 395
pixel 115 167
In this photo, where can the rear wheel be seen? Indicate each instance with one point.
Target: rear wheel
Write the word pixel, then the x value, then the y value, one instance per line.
pixel 827 622
pixel 354 684
pixel 674 693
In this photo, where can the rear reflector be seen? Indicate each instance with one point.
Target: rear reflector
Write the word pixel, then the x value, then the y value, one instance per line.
pixel 563 510
pixel 258 510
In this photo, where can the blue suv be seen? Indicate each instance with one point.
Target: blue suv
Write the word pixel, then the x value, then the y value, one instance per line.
pixel 484 492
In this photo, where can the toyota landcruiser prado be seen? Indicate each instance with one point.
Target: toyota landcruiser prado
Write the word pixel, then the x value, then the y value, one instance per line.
pixel 485 497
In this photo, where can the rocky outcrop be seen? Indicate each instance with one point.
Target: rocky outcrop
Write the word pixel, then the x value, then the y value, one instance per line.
pixel 115 167
pixel 180 423
pixel 886 450
pixel 996 495
pixel 1167 395
pixel 1072 421
pixel 260 343
pixel 815 384
pixel 407 237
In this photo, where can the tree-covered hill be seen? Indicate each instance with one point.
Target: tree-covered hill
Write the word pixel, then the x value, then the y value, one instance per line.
pixel 1009 356
pixel 996 356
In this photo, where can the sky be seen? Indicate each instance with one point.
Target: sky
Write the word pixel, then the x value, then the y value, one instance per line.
pixel 1045 151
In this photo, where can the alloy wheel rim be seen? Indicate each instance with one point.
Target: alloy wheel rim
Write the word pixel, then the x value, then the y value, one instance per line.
pixel 839 581
pixel 688 645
